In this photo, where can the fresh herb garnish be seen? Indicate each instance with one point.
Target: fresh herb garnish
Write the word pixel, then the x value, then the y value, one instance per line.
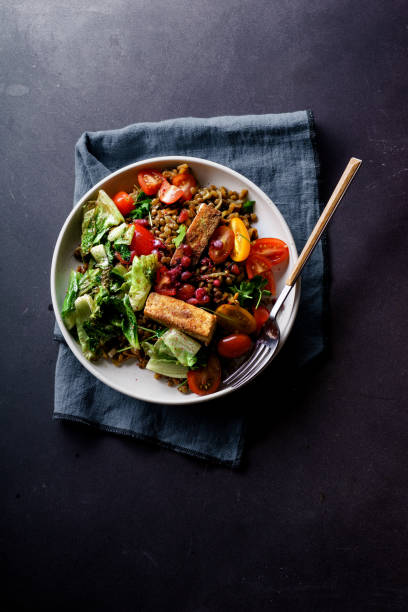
pixel 244 237
pixel 123 250
pixel 182 230
pixel 251 291
pixel 142 206
pixel 248 206
pixel 155 333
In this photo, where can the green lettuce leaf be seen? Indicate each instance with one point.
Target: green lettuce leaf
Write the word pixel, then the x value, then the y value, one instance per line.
pixel 68 307
pixel 99 217
pixel 140 278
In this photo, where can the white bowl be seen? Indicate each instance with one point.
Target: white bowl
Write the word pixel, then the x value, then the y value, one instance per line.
pixel 130 379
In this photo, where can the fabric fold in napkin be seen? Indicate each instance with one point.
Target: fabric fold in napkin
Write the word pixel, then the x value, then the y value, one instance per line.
pixel 277 152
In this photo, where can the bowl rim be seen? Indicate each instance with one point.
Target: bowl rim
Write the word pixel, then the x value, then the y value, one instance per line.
pixel 142 163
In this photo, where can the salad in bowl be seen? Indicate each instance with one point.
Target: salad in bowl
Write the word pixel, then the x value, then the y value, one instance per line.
pixel 173 277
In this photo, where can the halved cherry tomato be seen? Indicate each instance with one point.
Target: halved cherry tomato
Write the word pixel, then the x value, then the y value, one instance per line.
pixel 169 193
pixel 185 181
pixel 261 315
pixel 256 265
pixel 235 345
pixel 143 241
pixel 124 202
pixel 150 181
pixel 183 216
pixel 270 285
pixel 233 318
pixel 274 249
pixel 205 380
pixel 242 243
pixel 221 244
pixel 164 282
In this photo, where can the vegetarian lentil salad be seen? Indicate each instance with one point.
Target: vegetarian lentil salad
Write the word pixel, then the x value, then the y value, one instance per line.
pixel 174 276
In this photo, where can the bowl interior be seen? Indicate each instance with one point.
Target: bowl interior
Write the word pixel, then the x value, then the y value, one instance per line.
pixel 129 378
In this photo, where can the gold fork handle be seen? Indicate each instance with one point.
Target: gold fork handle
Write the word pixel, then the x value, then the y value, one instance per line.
pixel 324 218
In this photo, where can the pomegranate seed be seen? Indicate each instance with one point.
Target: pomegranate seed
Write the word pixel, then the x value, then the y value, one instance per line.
pixel 185 292
pixel 192 301
pixel 217 282
pixel 185 275
pixel 187 250
pixel 174 273
pixel 143 222
pixel 200 293
pixel 185 261
pixel 217 244
pixel 205 299
pixel 235 269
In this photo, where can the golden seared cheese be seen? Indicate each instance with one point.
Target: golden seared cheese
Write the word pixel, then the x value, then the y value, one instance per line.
pixel 171 312
pixel 199 233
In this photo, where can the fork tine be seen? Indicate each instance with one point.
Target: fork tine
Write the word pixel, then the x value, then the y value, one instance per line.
pixel 244 365
pixel 243 369
pixel 259 366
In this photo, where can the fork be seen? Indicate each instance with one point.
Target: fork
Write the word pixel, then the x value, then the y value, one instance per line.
pixel 268 342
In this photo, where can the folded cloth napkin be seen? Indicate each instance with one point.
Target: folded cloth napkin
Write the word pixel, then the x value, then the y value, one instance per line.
pixel 277 152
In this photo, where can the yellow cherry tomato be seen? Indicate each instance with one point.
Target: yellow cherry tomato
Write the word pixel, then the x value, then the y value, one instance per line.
pixel 233 318
pixel 242 243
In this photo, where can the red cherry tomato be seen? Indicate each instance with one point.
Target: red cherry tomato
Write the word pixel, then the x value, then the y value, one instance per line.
pixel 185 181
pixel 261 315
pixel 221 244
pixel 274 249
pixel 169 193
pixel 143 241
pixel 233 346
pixel 205 380
pixel 183 216
pixel 124 202
pixel 257 265
pixel 150 181
pixel 164 282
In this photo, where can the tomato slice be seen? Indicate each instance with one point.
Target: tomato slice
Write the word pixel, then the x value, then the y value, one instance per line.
pixel 124 202
pixel 261 315
pixel 221 244
pixel 164 282
pixel 274 249
pixel 234 346
pixel 169 193
pixel 205 380
pixel 150 181
pixel 233 318
pixel 185 181
pixel 257 265
pixel 143 240
pixel 242 243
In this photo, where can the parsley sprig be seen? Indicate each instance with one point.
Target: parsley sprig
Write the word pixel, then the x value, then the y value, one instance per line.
pixel 142 206
pixel 251 291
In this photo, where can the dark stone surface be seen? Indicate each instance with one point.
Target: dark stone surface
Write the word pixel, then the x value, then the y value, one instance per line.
pixel 317 518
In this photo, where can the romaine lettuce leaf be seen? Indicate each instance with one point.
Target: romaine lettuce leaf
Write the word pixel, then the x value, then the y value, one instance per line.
pixel 99 217
pixel 181 346
pixel 140 278
pixel 68 307
pixel 83 309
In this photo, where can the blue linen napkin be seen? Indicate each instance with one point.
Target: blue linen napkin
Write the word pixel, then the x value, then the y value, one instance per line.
pixel 277 152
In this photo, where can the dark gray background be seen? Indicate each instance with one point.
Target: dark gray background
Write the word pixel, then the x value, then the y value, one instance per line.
pixel 317 517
